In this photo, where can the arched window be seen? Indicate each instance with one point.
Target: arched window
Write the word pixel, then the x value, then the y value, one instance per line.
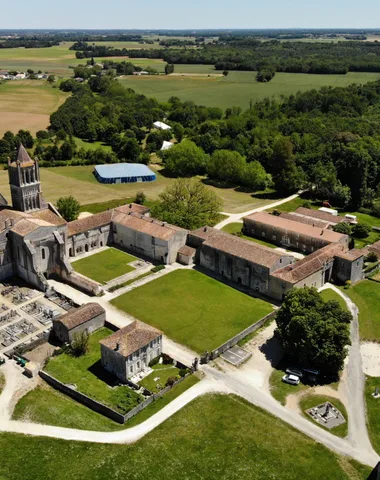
pixel 43 253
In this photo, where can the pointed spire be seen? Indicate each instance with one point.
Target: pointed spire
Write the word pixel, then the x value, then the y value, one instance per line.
pixel 23 156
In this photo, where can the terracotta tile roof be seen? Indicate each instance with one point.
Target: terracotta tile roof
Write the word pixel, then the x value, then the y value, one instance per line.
pixel 7 214
pixel 245 249
pixel 48 216
pixel 309 265
pixel 296 227
pixel 131 338
pixel 206 232
pixel 328 217
pixel 352 255
pixel 187 251
pixel 28 225
pixel 23 158
pixel 149 226
pixel 81 315
pixel 132 207
pixel 306 220
pixel 88 223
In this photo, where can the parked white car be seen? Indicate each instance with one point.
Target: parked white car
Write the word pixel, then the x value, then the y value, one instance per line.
pixel 291 379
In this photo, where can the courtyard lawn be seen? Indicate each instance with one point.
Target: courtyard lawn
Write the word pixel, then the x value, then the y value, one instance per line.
pixel 310 401
pixel 329 294
pixel 161 373
pixel 373 411
pixel 366 295
pixel 234 228
pixel 87 373
pixel 237 89
pixel 105 266
pixel 50 407
pixel 193 309
pixel 215 436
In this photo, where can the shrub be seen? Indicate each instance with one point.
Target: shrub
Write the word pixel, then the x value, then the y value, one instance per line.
pixel 343 227
pixel 79 344
pixel 183 372
pixel 140 198
pixel 371 257
pixel 306 204
pixel 154 361
pixel 170 381
pixel 361 230
pixel 158 268
pixel 167 359
pixel 348 284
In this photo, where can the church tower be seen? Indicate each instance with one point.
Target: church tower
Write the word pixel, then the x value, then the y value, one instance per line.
pixel 24 180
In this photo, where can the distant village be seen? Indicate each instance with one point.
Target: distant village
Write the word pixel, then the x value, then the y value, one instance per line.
pixel 14 75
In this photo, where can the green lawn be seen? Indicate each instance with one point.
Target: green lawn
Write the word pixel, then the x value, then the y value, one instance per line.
pixel 90 378
pixel 373 411
pixel 279 389
pixel 162 372
pixel 105 266
pixel 238 88
pixel 310 401
pixel 193 309
pixel 236 228
pixel 91 145
pixel 366 295
pixel 216 436
pixel 329 294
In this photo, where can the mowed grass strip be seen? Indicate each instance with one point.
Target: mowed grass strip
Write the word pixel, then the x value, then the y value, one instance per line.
pixel 193 309
pixel 373 411
pixel 105 266
pixel 329 294
pixel 366 296
pixel 216 436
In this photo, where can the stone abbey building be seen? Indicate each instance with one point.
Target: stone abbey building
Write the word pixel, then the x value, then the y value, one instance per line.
pixel 36 242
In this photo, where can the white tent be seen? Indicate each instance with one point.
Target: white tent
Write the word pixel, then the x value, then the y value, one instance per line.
pixel 166 145
pixel 161 126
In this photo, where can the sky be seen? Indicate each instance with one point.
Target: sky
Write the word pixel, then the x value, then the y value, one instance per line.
pixel 193 14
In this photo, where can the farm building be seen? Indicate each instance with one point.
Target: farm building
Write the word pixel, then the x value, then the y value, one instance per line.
pixel 161 126
pixel 124 173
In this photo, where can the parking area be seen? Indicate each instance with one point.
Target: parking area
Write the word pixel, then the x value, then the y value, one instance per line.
pixel 236 355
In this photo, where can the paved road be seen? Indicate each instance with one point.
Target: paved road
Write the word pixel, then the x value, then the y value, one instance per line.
pixel 236 217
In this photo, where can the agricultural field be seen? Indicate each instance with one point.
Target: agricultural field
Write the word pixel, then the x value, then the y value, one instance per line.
pixel 203 449
pixel 104 266
pixel 238 88
pixel 210 311
pixel 27 105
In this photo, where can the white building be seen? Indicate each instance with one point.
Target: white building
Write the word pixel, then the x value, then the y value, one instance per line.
pixel 161 126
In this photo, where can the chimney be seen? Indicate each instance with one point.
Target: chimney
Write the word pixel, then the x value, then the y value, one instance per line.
pixel 117 347
pixel 205 229
pixel 130 205
pixel 322 232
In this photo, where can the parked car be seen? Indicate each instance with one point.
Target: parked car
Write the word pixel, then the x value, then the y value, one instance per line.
pixel 294 371
pixel 291 379
pixel 311 371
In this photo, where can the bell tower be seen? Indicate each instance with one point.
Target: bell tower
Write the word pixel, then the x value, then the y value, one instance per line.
pixel 24 181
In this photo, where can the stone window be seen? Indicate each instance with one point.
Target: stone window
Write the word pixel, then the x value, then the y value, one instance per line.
pixel 138 364
pixel 157 352
pixel 43 253
pixel 131 369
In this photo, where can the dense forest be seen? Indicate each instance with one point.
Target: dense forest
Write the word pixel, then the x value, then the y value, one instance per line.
pixel 250 53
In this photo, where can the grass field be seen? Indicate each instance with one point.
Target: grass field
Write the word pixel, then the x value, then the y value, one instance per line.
pixel 279 389
pixel 105 266
pixel 50 407
pixel 310 401
pixel 329 294
pixel 373 411
pixel 238 88
pixel 87 373
pixel 163 372
pixel 193 309
pixel 27 104
pixel 366 295
pixel 216 436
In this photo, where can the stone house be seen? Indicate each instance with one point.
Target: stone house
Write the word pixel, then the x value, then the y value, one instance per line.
pixel 89 317
pixel 129 350
pixel 291 234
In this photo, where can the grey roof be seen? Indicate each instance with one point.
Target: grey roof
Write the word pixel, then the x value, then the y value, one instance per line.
pixel 124 170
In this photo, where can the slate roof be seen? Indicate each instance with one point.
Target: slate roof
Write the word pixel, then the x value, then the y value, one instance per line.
pixel 327 217
pixel 244 249
pixel 149 226
pixel 80 315
pixel 310 264
pixel 296 227
pixel 131 338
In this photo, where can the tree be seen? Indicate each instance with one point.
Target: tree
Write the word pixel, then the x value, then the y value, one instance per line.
pixel 255 177
pixel 169 68
pixel 188 204
pixel 287 177
pixel 225 73
pixel 68 207
pixel 79 343
pixel 185 159
pixel 140 198
pixel 226 165
pixel 51 79
pixel 342 227
pixel 361 230
pixel 314 332
pixel 265 75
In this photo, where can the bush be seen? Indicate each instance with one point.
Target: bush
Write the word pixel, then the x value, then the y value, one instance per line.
pixel 140 198
pixel 183 372
pixel 158 268
pixel 343 227
pixel 170 381
pixel 167 359
pixel 154 361
pixel 371 257
pixel 306 204
pixel 361 230
pixel 348 284
pixel 79 344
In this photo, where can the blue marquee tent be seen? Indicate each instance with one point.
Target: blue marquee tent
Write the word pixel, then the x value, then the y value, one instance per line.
pixel 124 173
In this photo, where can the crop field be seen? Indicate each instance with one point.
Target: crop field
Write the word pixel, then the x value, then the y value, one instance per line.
pixel 193 309
pixel 81 183
pixel 27 104
pixel 238 88
pixel 215 436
